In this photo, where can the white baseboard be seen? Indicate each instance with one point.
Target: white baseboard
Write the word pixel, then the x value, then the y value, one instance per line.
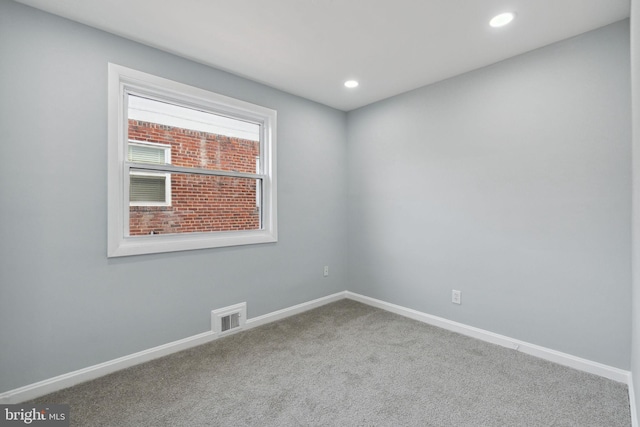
pixel 632 403
pixel 296 309
pixel 60 382
pixel 560 358
pixel 51 385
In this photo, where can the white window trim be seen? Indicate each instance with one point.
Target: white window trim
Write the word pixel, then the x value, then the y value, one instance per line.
pixel 167 176
pixel 122 80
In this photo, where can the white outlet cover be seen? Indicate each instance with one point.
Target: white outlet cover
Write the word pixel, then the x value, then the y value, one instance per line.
pixel 456 297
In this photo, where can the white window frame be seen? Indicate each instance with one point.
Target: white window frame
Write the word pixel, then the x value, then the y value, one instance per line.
pixel 121 82
pixel 167 176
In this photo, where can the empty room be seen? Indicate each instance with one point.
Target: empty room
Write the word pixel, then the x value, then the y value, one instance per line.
pixel 319 212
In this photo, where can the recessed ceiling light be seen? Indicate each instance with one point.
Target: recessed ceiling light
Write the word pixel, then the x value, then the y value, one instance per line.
pixel 502 19
pixel 351 84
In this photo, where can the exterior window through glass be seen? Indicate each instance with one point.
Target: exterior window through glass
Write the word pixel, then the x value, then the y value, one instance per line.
pixel 161 133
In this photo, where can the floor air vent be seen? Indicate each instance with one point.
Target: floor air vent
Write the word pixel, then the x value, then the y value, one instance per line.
pixel 229 319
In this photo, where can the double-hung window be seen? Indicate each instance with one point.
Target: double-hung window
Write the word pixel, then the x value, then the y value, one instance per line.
pixel 188 168
pixel 149 188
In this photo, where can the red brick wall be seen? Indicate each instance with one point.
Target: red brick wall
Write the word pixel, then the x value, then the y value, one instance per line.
pixel 199 203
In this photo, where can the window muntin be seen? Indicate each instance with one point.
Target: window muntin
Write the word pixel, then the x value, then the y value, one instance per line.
pixel 218 167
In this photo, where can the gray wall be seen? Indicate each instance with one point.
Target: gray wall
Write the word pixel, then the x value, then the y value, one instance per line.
pixel 63 304
pixel 510 183
pixel 635 73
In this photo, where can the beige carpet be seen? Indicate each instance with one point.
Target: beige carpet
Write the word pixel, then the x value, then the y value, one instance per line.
pixel 347 364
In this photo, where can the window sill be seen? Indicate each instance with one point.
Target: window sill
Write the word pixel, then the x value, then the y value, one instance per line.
pixel 161 243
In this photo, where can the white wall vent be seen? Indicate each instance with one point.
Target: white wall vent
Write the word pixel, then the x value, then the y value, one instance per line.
pixel 229 319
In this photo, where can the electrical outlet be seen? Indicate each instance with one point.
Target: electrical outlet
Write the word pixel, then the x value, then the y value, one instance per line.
pixel 456 297
pixel 326 270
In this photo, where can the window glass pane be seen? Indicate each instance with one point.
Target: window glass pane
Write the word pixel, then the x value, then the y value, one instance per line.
pixel 201 203
pixel 197 139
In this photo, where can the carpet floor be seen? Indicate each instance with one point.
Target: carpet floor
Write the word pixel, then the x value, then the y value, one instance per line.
pixel 347 364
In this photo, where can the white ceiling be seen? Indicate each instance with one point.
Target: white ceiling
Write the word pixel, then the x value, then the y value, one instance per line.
pixel 310 47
